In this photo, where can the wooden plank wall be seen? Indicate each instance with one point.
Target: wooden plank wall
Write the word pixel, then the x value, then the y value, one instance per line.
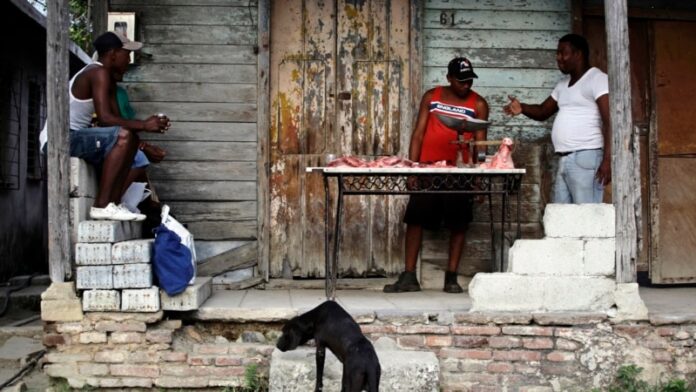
pixel 512 46
pixel 199 66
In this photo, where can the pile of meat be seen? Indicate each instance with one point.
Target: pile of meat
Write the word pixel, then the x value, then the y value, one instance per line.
pixel 503 158
pixel 393 161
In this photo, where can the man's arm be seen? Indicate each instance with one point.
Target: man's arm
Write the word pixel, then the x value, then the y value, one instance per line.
pixel 414 148
pixel 100 83
pixel 481 134
pixel 536 112
pixel 604 172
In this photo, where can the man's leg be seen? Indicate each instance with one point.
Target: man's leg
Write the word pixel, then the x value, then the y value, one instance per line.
pixel 581 171
pixel 115 169
pixel 457 240
pixel 561 193
pixel 414 237
pixel 135 174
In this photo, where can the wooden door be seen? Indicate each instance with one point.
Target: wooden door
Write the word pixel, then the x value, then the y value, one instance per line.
pixel 673 234
pixel 339 85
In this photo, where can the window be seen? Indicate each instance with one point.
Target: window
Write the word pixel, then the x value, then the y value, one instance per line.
pixel 10 126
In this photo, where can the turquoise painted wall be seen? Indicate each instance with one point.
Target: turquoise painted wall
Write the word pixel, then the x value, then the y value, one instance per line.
pixel 512 46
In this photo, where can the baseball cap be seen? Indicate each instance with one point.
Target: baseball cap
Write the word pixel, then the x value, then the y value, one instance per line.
pixel 111 40
pixel 460 69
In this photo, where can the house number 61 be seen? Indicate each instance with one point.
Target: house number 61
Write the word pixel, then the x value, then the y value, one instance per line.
pixel 447 18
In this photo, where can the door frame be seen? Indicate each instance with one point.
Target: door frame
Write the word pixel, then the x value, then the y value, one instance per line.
pixel 264 114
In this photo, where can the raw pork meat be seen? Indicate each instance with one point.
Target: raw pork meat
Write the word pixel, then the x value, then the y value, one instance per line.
pixel 388 161
pixel 503 158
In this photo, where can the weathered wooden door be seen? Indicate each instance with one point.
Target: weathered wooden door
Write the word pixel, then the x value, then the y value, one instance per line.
pixel 339 85
pixel 674 213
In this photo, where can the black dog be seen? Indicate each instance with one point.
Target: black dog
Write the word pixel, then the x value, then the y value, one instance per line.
pixel 331 326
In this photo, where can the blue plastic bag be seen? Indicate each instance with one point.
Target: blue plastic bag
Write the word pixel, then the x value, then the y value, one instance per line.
pixel 171 262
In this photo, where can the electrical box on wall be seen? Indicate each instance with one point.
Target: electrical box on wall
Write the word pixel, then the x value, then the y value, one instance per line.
pixel 124 23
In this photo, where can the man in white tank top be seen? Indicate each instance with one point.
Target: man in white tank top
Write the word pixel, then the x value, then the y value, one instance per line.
pixel 580 135
pixel 113 144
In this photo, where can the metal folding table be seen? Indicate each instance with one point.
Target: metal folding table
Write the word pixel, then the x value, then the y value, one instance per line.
pixel 407 181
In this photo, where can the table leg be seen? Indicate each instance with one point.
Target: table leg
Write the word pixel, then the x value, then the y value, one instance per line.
pixel 327 238
pixel 502 231
pixel 492 224
pixel 331 292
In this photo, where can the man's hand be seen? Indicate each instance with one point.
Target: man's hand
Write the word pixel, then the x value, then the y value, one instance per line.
pixel 514 107
pixel 154 124
pixel 604 172
pixel 153 153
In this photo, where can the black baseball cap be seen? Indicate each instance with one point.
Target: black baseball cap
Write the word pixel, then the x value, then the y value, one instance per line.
pixel 460 69
pixel 111 40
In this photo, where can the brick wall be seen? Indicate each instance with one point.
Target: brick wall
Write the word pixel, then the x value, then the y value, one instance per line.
pixel 477 352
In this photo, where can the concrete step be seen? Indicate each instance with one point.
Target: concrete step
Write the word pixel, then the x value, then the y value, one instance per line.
pixel 402 370
pixel 579 221
pixel 563 256
pixel 191 299
pixel 108 231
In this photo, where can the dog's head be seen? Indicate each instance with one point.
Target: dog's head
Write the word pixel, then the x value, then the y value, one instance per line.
pixel 294 334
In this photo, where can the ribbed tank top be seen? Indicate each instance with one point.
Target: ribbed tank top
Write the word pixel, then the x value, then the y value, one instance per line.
pixel 436 141
pixel 81 110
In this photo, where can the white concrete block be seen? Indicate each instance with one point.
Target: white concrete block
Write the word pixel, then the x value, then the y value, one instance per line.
pixel 578 293
pixel 101 300
pixel 140 300
pixel 107 231
pixel 134 251
pixel 579 220
pixel 132 276
pixel 600 256
pixel 191 299
pixel 628 303
pixel 79 211
pixel 548 256
pixel 95 277
pixel 505 292
pixel 92 254
pixel 522 293
pixel 83 179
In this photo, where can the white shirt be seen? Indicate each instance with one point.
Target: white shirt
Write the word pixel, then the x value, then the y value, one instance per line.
pixel 578 124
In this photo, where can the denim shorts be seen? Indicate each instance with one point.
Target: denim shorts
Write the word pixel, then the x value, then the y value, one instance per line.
pixel 94 144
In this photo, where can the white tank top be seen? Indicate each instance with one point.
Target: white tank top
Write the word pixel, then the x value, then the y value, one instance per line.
pixel 81 110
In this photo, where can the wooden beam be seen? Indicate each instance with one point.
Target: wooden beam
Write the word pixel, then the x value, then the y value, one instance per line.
pixel 244 256
pixel 57 71
pixel 625 185
pixel 263 144
pixel 99 15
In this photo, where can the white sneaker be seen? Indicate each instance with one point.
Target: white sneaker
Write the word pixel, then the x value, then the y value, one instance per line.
pixel 138 216
pixel 112 212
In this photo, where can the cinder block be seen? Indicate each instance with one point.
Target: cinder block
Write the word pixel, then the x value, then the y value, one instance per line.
pixel 191 299
pixel 522 293
pixel 83 179
pixel 132 276
pixel 95 277
pixel 506 292
pixel 92 254
pixel 140 300
pixel 134 251
pixel 79 211
pixel 548 256
pixel 107 231
pixel 600 256
pixel 101 300
pixel 579 220
pixel 61 310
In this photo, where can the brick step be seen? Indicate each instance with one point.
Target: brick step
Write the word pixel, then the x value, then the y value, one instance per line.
pixel 91 231
pixel 124 252
pixel 402 370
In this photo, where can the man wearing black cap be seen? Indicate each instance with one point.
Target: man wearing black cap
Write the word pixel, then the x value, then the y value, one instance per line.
pixel 114 144
pixel 431 141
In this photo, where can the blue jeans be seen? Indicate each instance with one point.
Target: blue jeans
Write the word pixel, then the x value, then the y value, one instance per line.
pixel 94 144
pixel 575 179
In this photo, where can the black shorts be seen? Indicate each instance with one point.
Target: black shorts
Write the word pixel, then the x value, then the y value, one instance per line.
pixel 431 211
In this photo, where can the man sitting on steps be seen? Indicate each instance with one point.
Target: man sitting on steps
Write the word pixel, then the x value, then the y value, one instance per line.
pixel 114 144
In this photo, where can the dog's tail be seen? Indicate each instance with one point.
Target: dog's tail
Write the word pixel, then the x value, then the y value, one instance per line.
pixel 373 376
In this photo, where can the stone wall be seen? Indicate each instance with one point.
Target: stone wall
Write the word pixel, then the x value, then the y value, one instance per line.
pixel 476 351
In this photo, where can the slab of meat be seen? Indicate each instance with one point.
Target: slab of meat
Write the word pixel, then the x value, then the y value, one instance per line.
pixel 387 161
pixel 503 158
